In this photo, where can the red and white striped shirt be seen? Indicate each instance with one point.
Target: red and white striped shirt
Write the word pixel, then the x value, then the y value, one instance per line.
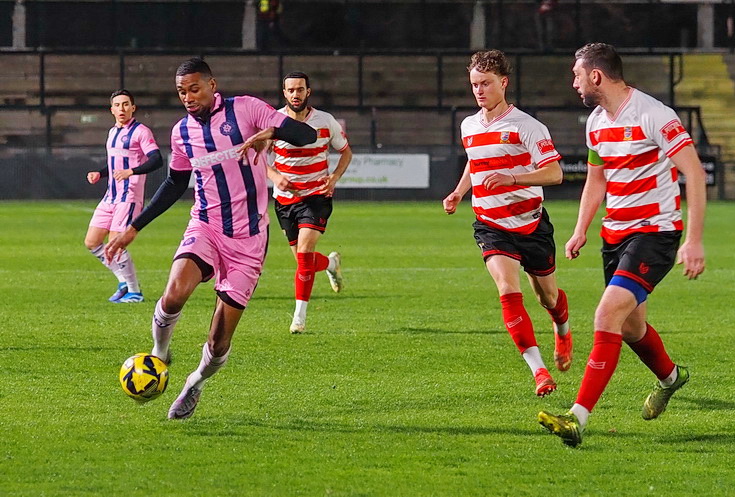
pixel 515 143
pixel 304 166
pixel 635 147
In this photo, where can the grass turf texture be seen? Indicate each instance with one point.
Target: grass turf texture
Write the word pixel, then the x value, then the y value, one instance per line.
pixel 405 384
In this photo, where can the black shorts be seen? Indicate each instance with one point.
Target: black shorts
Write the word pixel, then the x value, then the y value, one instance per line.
pixel 312 212
pixel 536 251
pixel 644 258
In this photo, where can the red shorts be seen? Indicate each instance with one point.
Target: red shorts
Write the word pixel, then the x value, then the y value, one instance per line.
pixel 236 263
pixel 115 217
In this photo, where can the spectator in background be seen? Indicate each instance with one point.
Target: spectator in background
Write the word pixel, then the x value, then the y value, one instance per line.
pixel 544 18
pixel 268 33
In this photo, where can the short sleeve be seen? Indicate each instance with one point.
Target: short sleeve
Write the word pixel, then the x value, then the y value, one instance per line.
pixel 338 137
pixel 179 158
pixel 537 140
pixel 663 126
pixel 147 141
pixel 258 113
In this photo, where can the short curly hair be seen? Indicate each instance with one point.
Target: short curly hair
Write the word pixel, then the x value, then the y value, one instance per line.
pixel 493 61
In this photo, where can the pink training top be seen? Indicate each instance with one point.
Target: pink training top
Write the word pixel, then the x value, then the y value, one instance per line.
pixel 229 194
pixel 127 148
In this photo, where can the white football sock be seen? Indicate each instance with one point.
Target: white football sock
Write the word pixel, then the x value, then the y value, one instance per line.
pixel 300 312
pixel 207 367
pixel 127 269
pixel 581 412
pixel 99 253
pixel 669 380
pixel 162 328
pixel 561 329
pixel 532 356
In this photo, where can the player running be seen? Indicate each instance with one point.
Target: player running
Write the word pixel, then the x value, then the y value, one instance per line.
pixel 227 235
pixel 510 157
pixel 636 146
pixel 131 154
pixel 303 189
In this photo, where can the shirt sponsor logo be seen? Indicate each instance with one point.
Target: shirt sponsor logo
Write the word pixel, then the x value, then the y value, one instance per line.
pixel 214 158
pixel 505 137
pixel 227 128
pixel 627 133
pixel 672 130
pixel 545 146
pixel 121 152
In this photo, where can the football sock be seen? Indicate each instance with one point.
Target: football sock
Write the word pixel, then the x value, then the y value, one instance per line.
pixel 127 269
pixel 322 262
pixel 300 312
pixel 669 380
pixel 600 368
pixel 99 253
pixel 517 321
pixel 560 314
pixel 532 356
pixel 650 349
pixel 162 327
pixel 207 367
pixel 581 412
pixel 304 278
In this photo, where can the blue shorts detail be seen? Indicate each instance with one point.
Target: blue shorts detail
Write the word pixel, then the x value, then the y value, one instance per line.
pixel 640 293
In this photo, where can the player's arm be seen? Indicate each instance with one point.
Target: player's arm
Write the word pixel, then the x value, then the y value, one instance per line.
pixel 172 188
pixel 547 175
pixel 344 161
pixel 691 252
pixel 593 194
pixel 279 180
pixel 292 131
pixel 155 161
pixel 452 200
pixel 94 176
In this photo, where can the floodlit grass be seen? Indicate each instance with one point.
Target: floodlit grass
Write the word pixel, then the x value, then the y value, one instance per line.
pixel 405 385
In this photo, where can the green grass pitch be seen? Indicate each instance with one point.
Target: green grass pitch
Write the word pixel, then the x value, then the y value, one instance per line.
pixel 405 385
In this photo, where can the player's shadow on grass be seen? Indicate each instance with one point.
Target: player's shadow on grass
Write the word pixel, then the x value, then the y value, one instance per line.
pixel 428 330
pixel 708 404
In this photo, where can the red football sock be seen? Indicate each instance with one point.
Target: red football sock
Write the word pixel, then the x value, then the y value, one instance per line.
pixel 304 278
pixel 600 368
pixel 651 351
pixel 560 313
pixel 321 262
pixel 517 321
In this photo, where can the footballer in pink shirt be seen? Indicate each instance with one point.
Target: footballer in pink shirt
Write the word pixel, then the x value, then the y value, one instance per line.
pixel 132 153
pixel 227 235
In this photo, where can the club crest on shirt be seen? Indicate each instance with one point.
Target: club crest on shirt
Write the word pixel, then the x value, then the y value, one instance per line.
pixel 672 129
pixel 505 137
pixel 227 128
pixel 125 138
pixel 545 146
pixel 627 133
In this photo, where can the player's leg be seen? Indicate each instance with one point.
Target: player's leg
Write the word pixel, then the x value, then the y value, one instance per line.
pixel 240 263
pixel 617 303
pixel 183 279
pixel 505 273
pixel 304 277
pixel 123 215
pixel 215 353
pixel 99 228
pixel 554 300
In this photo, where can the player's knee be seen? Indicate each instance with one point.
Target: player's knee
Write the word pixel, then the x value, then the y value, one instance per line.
pixel 171 301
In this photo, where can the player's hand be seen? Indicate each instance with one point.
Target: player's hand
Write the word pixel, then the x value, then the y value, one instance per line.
pixel 259 141
pixel 284 184
pixel 691 255
pixel 330 182
pixel 574 245
pixel 121 241
pixel 451 202
pixel 494 180
pixel 93 177
pixel 122 174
